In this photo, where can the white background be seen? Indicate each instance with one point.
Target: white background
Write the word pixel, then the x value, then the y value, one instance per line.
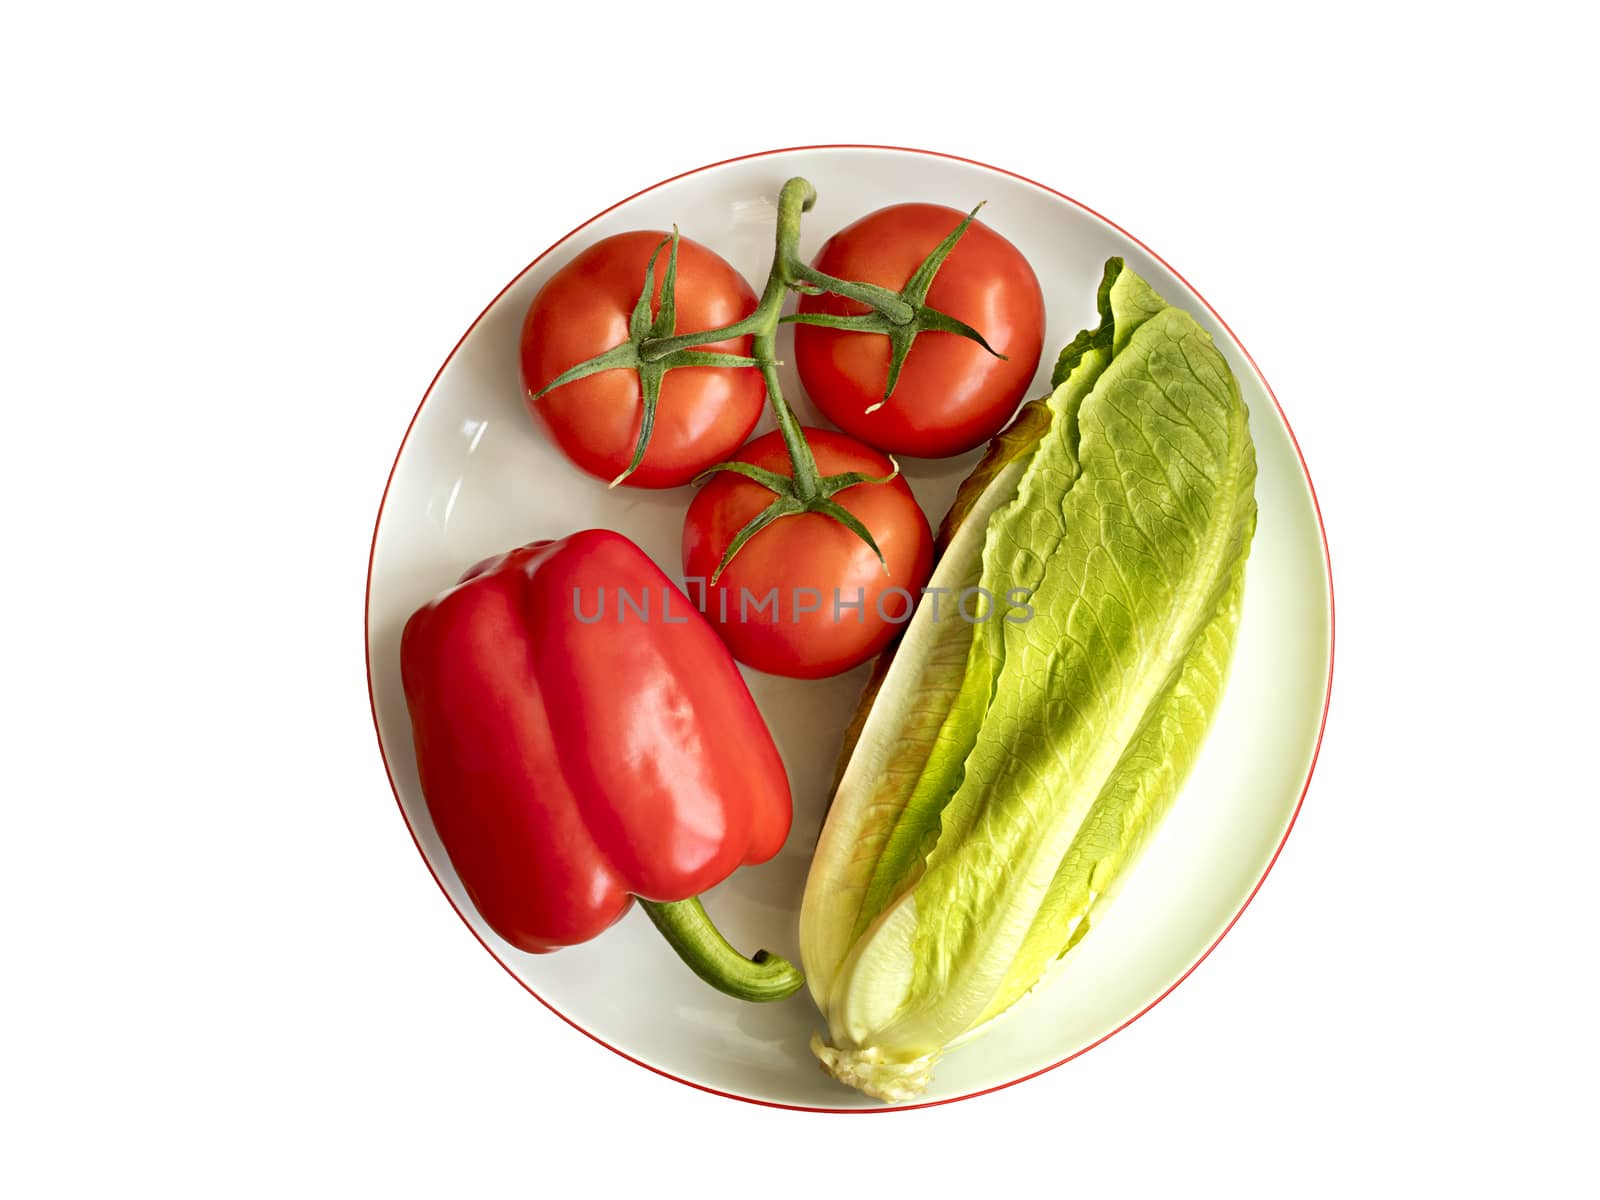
pixel 238 241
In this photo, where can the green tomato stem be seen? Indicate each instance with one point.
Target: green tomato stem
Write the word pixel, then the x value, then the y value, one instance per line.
pixel 796 198
pixel 761 326
pixel 689 931
pixel 890 305
pixel 806 490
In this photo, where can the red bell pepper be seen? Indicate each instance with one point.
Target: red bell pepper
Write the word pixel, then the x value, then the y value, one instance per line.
pixel 584 738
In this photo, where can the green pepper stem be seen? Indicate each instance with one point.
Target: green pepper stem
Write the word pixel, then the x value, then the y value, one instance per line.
pixel 689 931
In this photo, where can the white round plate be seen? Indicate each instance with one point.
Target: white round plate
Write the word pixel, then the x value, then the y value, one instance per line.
pixel 474 477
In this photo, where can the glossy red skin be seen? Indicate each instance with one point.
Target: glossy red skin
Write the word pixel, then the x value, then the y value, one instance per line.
pixel 569 766
pixel 704 413
pixel 952 394
pixel 808 550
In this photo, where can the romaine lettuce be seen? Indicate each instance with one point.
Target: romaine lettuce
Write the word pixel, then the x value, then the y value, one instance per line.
pixel 1008 770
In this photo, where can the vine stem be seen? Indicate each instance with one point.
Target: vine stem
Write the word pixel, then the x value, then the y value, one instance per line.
pixel 761 326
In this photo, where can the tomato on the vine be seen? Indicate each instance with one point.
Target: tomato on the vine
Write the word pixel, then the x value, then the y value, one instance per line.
pixel 952 394
pixel 703 413
pixel 807 597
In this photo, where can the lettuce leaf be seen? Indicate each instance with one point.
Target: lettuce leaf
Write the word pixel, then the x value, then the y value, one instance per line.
pixel 873 837
pixel 1009 770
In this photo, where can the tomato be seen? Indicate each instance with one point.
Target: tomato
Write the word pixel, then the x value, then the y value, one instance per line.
pixel 952 394
pixel 704 413
pixel 834 607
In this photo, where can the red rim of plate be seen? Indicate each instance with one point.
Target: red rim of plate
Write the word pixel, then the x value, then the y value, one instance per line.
pixel 1310 770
